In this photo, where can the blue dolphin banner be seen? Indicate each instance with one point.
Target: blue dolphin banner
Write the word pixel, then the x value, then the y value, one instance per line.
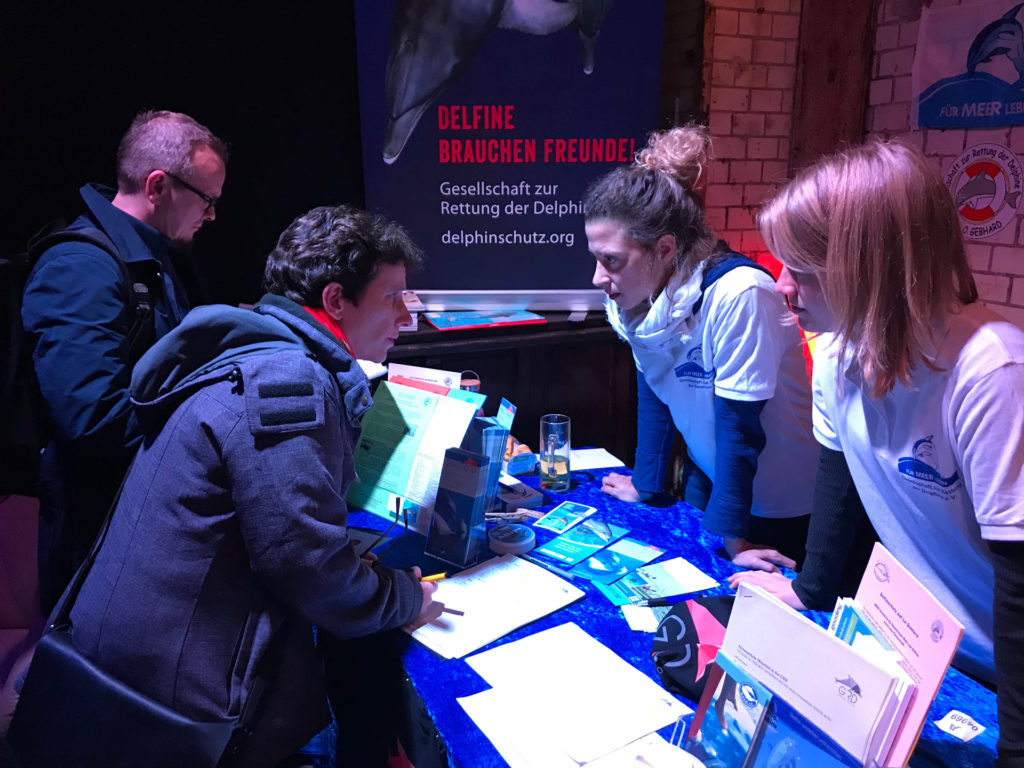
pixel 483 121
pixel 969 67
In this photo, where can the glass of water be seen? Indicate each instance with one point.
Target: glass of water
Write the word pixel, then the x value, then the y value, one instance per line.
pixel 554 452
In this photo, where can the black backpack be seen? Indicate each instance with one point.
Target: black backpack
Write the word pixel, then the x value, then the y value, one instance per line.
pixel 23 421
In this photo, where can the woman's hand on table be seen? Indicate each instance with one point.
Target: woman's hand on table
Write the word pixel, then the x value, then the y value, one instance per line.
pixel 773 583
pixel 621 487
pixel 747 555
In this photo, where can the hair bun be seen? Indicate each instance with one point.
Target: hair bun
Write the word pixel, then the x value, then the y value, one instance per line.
pixel 680 153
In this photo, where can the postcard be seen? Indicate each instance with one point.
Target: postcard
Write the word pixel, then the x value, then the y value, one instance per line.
pixel 583 541
pixel 616 560
pixel 672 577
pixel 564 516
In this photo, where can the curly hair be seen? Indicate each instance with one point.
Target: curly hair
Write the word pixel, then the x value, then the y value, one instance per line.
pixel 655 195
pixel 335 244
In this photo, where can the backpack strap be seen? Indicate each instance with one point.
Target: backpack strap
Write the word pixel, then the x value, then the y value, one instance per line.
pixel 719 267
pixel 140 302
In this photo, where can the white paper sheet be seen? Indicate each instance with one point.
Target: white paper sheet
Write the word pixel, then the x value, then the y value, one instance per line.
pixel 640 618
pixel 676 577
pixel 497 596
pixel 524 742
pixel 515 731
pixel 592 458
pixel 591 701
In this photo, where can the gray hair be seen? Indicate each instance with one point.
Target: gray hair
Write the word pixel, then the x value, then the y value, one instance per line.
pixel 165 141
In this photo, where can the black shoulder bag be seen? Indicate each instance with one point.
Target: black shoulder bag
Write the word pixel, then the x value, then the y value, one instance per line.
pixel 71 712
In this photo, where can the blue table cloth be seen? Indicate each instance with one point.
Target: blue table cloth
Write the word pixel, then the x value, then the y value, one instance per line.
pixel 677 530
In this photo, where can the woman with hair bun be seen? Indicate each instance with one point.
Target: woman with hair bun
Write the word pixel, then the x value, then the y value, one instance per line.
pixel 716 359
pixel 918 401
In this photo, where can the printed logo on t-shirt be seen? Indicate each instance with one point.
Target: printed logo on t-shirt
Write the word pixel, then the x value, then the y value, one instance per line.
pixel 919 469
pixel 693 372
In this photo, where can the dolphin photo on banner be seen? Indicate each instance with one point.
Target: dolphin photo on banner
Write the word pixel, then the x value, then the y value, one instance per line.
pixel 483 121
pixel 969 67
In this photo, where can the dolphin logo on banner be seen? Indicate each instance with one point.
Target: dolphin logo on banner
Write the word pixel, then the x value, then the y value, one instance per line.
pixel 989 92
pixel 432 42
pixel 1002 37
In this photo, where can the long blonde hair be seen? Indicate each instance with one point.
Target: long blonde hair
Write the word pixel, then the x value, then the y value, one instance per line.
pixel 879 229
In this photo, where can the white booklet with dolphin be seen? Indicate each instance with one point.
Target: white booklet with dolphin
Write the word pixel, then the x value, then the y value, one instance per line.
pixel 850 697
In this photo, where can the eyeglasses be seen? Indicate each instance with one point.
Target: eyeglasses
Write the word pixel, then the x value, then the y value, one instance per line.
pixel 211 202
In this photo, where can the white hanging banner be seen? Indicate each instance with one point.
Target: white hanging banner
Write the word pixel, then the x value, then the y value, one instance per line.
pixel 969 67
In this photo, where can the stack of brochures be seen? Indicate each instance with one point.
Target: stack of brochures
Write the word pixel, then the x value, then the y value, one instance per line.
pixel 417 414
pixel 853 699
pixel 458 528
pixel 740 722
pixel 902 615
pixel 862 701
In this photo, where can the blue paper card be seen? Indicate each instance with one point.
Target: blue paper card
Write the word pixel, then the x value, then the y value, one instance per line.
pixel 727 725
pixel 564 516
pixel 665 579
pixel 506 413
pixel 616 560
pixel 582 541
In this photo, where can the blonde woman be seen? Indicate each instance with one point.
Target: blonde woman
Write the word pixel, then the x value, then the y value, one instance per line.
pixel 716 359
pixel 919 399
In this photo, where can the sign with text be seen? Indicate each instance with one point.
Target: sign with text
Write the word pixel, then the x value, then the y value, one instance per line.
pixel 985 182
pixel 968 67
pixel 483 122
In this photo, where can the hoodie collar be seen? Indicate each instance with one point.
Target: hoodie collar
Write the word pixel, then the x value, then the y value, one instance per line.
pixel 659 323
pixel 211 338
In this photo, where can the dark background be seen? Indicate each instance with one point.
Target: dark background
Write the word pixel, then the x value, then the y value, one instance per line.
pixel 277 82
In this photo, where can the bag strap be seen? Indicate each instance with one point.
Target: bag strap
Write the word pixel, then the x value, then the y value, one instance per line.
pixel 273 653
pixel 62 611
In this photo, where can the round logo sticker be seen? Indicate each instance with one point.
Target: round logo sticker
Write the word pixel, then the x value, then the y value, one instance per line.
pixel 985 181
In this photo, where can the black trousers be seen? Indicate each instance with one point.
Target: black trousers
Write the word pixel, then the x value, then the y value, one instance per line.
pixel 375 705
pixel 786 534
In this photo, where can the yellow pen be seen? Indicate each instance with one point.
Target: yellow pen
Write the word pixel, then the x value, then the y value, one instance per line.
pixel 435 576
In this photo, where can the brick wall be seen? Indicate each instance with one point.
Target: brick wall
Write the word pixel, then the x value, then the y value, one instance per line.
pixel 997 261
pixel 750 53
pixel 750 70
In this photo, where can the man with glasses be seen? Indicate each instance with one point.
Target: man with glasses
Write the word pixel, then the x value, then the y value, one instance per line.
pixel 93 305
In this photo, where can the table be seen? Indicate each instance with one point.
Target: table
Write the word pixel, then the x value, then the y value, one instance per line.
pixel 675 528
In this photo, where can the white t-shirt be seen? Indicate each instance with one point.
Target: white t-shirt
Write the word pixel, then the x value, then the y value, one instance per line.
pixel 939 466
pixel 741 346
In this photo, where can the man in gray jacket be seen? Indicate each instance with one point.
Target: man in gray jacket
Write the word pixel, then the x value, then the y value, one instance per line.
pixel 230 534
